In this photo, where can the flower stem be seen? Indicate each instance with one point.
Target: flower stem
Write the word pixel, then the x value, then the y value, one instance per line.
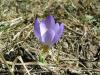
pixel 45 48
pixel 42 57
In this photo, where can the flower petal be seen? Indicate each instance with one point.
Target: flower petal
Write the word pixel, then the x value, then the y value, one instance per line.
pixel 43 28
pixel 48 37
pixel 56 27
pixel 58 33
pixel 37 29
pixel 49 21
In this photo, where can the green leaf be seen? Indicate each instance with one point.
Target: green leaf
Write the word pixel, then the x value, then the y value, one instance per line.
pixel 3 27
pixel 88 18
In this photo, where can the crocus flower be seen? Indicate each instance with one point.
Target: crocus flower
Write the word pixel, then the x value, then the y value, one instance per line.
pixel 48 31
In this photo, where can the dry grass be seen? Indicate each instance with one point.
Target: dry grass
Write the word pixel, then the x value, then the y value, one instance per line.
pixel 76 53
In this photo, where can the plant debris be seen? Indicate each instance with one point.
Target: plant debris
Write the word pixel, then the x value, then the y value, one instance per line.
pixel 77 52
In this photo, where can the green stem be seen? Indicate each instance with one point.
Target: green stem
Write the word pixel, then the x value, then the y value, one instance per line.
pixel 42 57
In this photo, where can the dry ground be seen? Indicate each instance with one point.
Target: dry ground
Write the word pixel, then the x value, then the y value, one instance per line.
pixel 76 53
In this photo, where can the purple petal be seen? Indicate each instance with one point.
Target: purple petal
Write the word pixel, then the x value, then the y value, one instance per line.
pixel 58 33
pixel 48 37
pixel 37 29
pixel 56 27
pixel 43 28
pixel 49 21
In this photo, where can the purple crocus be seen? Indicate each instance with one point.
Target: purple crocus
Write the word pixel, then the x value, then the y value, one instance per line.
pixel 47 31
